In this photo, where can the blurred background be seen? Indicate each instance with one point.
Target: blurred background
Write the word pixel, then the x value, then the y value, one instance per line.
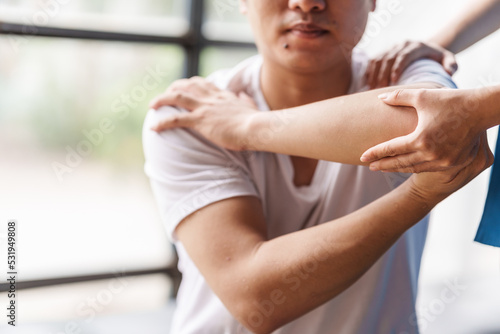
pixel 75 81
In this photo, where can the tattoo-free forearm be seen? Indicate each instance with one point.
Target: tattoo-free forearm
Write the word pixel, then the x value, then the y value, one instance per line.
pixel 308 268
pixel 338 129
pixel 488 106
pixel 476 22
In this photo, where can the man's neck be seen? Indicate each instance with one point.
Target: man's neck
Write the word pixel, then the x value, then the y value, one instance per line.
pixel 285 89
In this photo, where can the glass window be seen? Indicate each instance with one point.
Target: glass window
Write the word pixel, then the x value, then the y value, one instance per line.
pixel 154 17
pixel 72 163
pixel 223 21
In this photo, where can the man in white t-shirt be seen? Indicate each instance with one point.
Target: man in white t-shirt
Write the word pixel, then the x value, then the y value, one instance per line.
pixel 272 239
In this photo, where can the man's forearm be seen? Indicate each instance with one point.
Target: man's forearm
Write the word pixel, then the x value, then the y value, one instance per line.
pixel 338 129
pixel 488 110
pixel 300 271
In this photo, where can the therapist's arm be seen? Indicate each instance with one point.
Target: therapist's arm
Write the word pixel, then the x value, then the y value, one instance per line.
pixel 477 21
pixel 338 129
pixel 449 123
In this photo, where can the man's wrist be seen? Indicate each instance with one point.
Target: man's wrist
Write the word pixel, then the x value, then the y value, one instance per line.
pixel 424 199
pixel 487 114
pixel 255 131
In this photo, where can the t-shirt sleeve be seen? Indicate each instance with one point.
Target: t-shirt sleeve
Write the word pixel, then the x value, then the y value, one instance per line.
pixel 187 172
pixel 426 70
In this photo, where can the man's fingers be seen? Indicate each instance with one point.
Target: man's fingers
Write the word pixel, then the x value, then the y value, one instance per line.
pixel 178 120
pixel 393 147
pixel 178 99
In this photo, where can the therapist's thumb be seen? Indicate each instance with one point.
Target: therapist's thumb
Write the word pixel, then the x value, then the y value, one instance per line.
pixel 401 97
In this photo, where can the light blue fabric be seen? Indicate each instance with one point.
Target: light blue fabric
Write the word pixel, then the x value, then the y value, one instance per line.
pixel 489 229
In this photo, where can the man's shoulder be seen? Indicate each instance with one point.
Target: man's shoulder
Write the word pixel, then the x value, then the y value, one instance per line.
pixel 426 70
pixel 236 79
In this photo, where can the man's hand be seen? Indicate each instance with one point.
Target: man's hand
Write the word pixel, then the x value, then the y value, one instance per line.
pixel 447 134
pixel 386 69
pixel 220 116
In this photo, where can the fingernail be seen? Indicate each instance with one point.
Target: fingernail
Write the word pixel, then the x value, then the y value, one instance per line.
pixel 364 159
pixel 373 168
pixel 383 96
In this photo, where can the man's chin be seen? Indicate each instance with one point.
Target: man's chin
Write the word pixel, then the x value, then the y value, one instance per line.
pixel 307 60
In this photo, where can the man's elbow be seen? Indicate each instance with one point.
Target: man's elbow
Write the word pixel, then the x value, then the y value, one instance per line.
pixel 259 316
pixel 259 306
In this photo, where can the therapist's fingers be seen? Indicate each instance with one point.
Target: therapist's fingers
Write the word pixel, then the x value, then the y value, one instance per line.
pixel 372 72
pixel 178 120
pixel 428 166
pixel 400 64
pixel 391 148
pixel 407 163
pixel 402 97
pixel 449 63
pixel 398 162
pixel 384 75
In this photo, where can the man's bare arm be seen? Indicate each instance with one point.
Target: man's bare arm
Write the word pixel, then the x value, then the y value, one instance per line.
pixel 291 275
pixel 338 129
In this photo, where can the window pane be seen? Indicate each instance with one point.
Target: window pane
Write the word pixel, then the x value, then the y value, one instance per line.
pixel 155 17
pixel 89 305
pixel 72 163
pixel 223 21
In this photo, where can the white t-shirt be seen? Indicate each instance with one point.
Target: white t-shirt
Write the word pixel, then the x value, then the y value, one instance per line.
pixel 188 172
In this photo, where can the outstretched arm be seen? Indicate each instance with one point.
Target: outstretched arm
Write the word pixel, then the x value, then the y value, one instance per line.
pixel 338 129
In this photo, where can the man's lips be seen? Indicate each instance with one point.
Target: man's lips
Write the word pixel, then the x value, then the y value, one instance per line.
pixel 307 30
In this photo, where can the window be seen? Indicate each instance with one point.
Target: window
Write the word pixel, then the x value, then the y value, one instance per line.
pixel 76 78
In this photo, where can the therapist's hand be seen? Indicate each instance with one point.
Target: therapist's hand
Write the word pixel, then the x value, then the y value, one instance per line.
pixel 219 115
pixel 447 134
pixel 386 69
pixel 431 188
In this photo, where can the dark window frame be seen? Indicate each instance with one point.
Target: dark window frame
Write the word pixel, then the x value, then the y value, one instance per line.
pixel 193 43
